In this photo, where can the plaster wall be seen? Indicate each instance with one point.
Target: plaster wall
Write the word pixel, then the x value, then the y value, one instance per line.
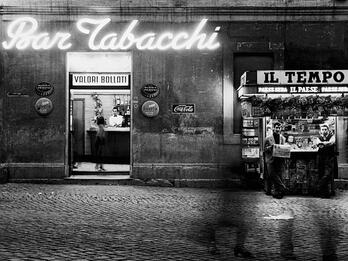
pixel 170 145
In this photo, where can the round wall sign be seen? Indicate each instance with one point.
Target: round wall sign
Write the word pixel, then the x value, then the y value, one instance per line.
pixel 43 106
pixel 149 90
pixel 150 109
pixel 44 89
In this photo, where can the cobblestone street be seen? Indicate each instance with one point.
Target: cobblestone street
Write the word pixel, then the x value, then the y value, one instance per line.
pixel 75 222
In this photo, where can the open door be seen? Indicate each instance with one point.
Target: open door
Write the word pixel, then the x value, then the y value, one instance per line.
pixel 78 129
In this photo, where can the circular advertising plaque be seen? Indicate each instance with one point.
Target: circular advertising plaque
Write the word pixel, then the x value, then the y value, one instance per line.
pixel 150 109
pixel 43 106
pixel 149 90
pixel 44 89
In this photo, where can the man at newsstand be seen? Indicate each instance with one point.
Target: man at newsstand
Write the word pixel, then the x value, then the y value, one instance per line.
pixel 274 165
pixel 326 158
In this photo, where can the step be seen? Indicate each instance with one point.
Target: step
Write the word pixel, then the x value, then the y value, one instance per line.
pixel 341 184
pixel 98 173
pixel 101 179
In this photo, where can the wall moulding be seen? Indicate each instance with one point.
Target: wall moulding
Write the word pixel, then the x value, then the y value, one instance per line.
pixel 183 14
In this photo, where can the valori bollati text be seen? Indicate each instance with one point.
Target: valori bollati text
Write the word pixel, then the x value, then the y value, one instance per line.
pixel 22 34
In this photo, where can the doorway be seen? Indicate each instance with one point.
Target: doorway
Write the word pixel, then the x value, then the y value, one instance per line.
pixel 99 88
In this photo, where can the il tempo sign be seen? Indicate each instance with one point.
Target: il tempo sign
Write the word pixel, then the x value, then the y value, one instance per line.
pixel 307 77
pixel 23 33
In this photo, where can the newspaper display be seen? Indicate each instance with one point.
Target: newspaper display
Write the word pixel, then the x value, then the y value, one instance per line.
pixel 281 151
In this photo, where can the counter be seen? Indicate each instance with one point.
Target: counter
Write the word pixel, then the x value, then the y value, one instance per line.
pixel 301 174
pixel 117 146
pixel 111 129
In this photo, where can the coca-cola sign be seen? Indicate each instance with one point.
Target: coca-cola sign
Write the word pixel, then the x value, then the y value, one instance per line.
pixel 183 108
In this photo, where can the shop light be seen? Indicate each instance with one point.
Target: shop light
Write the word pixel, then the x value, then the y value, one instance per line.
pixel 23 34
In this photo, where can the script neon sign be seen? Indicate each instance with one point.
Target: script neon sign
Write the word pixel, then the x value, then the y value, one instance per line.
pixel 23 33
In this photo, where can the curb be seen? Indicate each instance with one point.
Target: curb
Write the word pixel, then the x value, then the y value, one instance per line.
pixel 178 183
pixel 340 184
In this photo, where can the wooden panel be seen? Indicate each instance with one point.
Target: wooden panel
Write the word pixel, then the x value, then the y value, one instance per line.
pixel 78 127
pixel 116 149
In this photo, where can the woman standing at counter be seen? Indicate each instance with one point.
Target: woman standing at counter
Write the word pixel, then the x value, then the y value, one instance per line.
pixel 100 143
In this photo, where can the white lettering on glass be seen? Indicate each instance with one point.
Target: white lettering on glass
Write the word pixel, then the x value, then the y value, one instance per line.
pixel 22 35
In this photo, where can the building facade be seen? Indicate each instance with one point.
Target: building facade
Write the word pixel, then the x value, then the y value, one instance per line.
pixel 190 127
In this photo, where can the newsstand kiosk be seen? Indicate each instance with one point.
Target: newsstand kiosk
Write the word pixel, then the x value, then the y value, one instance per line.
pixel 302 101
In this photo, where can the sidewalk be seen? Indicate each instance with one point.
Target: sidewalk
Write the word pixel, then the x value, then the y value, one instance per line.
pixel 77 222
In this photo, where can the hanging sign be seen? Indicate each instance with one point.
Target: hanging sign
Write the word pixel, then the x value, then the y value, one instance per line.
pixel 44 89
pixel 183 108
pixel 307 77
pixel 150 90
pixel 150 109
pixel 43 106
pixel 17 94
pixel 99 79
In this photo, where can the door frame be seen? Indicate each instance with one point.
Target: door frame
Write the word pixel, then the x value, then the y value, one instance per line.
pixel 67 163
pixel 83 112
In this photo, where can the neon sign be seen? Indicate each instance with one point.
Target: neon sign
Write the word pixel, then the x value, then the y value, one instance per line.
pixel 23 33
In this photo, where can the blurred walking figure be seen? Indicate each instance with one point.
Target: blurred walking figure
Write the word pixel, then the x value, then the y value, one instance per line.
pixel 274 165
pixel 326 154
pixel 329 224
pixel 286 228
pixel 233 215
pixel 100 143
pixel 329 238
